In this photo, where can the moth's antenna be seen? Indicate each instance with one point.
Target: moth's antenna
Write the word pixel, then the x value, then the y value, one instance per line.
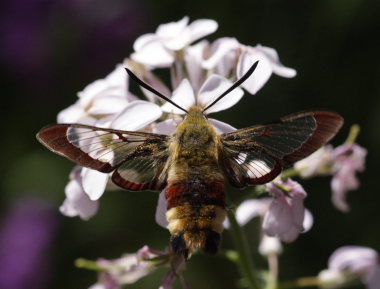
pixel 234 85
pixel 151 89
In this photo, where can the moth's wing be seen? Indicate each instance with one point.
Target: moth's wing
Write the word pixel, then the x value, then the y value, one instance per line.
pixel 257 154
pixel 136 158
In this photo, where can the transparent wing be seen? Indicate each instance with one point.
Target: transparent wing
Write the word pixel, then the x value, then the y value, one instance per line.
pixel 137 158
pixel 257 154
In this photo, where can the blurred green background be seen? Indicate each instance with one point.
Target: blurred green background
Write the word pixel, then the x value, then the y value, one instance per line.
pixel 53 49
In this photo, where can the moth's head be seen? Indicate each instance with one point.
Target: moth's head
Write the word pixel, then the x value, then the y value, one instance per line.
pixel 195 110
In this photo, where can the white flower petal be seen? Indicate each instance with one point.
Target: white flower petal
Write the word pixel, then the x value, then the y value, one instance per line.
pixel 77 203
pixel 115 84
pixel 108 105
pixel 161 211
pixel 194 56
pixel 136 115
pixel 214 86
pixel 105 122
pixel 202 27
pixel 260 76
pixel 221 126
pixel 277 66
pixel 98 286
pixel 221 47
pixel 172 29
pixel 118 78
pixel 144 40
pixel 183 96
pixel 332 278
pixel 70 114
pixel 270 246
pixel 94 183
pixel 167 126
pixel 91 91
pixel 308 221
pixel 153 54
pixel 252 208
pixel 174 35
pixel 179 42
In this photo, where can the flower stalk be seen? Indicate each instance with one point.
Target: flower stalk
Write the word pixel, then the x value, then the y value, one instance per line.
pixel 87 264
pixel 353 134
pixel 244 254
pixel 300 283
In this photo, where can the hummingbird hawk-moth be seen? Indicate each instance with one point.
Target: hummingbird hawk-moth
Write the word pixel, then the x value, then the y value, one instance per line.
pixel 193 163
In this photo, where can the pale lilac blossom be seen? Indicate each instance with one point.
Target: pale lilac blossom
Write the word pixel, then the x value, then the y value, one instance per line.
pixel 342 163
pixel 77 202
pixel 253 208
pixel 348 159
pixel 229 55
pixel 194 57
pixel 318 163
pixel 285 215
pixel 269 64
pixel 158 49
pixel 350 263
pixel 99 99
pixel 127 269
pixel 131 267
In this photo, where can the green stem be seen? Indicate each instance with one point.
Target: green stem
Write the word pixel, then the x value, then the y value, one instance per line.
pixel 300 282
pixel 289 173
pixel 241 245
pixel 87 264
pixel 273 269
pixel 353 134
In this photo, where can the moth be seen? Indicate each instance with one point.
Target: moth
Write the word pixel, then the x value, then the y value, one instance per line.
pixel 192 164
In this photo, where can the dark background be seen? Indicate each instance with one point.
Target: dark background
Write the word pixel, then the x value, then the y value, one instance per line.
pixel 52 49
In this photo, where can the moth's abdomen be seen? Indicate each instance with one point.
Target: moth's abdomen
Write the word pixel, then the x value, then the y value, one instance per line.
pixel 196 211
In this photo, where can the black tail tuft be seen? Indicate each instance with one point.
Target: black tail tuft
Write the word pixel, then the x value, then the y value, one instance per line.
pixel 179 246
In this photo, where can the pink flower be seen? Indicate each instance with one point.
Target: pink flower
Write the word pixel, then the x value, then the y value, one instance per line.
pixel 318 163
pixel 349 263
pixel 269 209
pixel 285 215
pixel 347 159
pixel 342 163
pixel 127 269
pixel 132 267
